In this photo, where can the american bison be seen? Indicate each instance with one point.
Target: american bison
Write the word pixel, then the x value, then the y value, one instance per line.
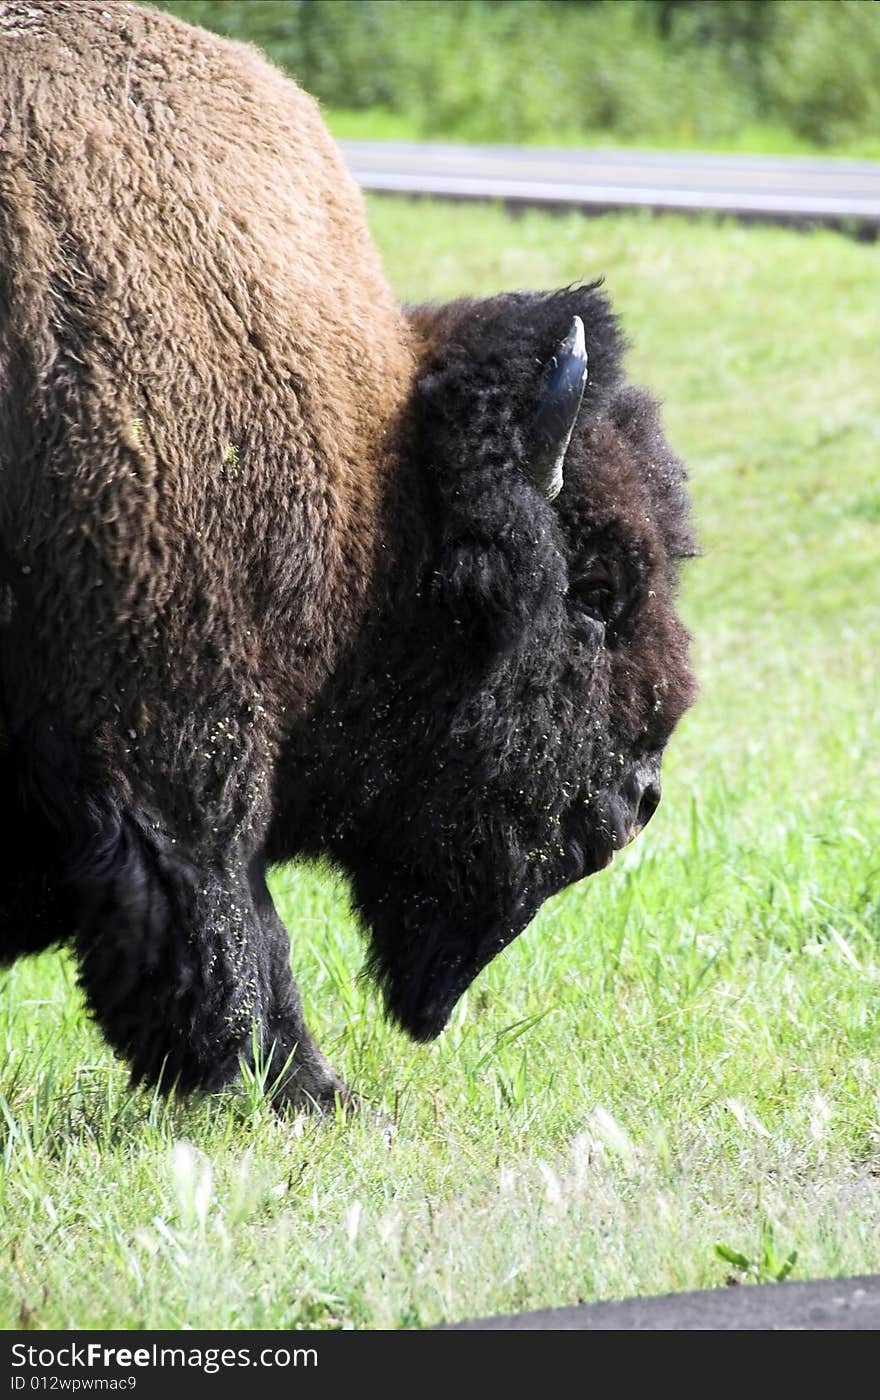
pixel 289 570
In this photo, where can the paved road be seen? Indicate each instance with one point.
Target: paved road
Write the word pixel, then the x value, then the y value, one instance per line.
pixel 791 189
pixel 826 1305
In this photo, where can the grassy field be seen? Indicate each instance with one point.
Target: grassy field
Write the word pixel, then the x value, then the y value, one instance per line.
pixel 680 1054
pixel 752 138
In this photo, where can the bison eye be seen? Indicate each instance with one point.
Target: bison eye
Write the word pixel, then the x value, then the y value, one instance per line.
pixel 596 594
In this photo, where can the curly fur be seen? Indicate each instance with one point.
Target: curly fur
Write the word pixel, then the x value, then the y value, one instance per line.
pixel 276 581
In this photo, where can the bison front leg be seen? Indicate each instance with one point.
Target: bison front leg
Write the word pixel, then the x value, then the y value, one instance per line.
pixel 185 965
pixel 297 1071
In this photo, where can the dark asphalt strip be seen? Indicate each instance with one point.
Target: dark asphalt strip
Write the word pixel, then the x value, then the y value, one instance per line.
pixel 823 1305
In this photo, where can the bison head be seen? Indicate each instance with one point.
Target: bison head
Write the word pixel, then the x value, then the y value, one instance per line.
pixel 498 732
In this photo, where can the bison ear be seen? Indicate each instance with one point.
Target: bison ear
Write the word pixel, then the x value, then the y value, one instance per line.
pixel 565 379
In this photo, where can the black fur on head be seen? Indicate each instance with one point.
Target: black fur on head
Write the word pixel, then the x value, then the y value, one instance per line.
pixel 498 733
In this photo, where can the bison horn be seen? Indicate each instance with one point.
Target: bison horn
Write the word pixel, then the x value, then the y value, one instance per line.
pixel 554 421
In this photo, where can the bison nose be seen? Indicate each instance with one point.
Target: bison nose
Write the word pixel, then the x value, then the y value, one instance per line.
pixel 641 793
pixel 648 804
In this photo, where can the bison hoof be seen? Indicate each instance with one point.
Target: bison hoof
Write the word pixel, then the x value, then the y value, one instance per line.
pixel 330 1097
pixel 342 1105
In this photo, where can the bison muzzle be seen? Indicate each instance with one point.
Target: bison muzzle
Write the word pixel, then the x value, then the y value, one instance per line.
pixel 289 570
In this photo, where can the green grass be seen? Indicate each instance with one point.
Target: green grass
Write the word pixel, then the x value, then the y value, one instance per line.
pixel 753 138
pixel 680 1054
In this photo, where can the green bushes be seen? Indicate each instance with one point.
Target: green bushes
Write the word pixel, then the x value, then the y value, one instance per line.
pixel 823 71
pixel 698 72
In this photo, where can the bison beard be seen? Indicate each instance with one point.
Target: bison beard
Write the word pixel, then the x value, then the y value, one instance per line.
pixel 287 569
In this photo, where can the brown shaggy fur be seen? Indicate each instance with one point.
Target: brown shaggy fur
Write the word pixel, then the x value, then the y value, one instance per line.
pixel 190 295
